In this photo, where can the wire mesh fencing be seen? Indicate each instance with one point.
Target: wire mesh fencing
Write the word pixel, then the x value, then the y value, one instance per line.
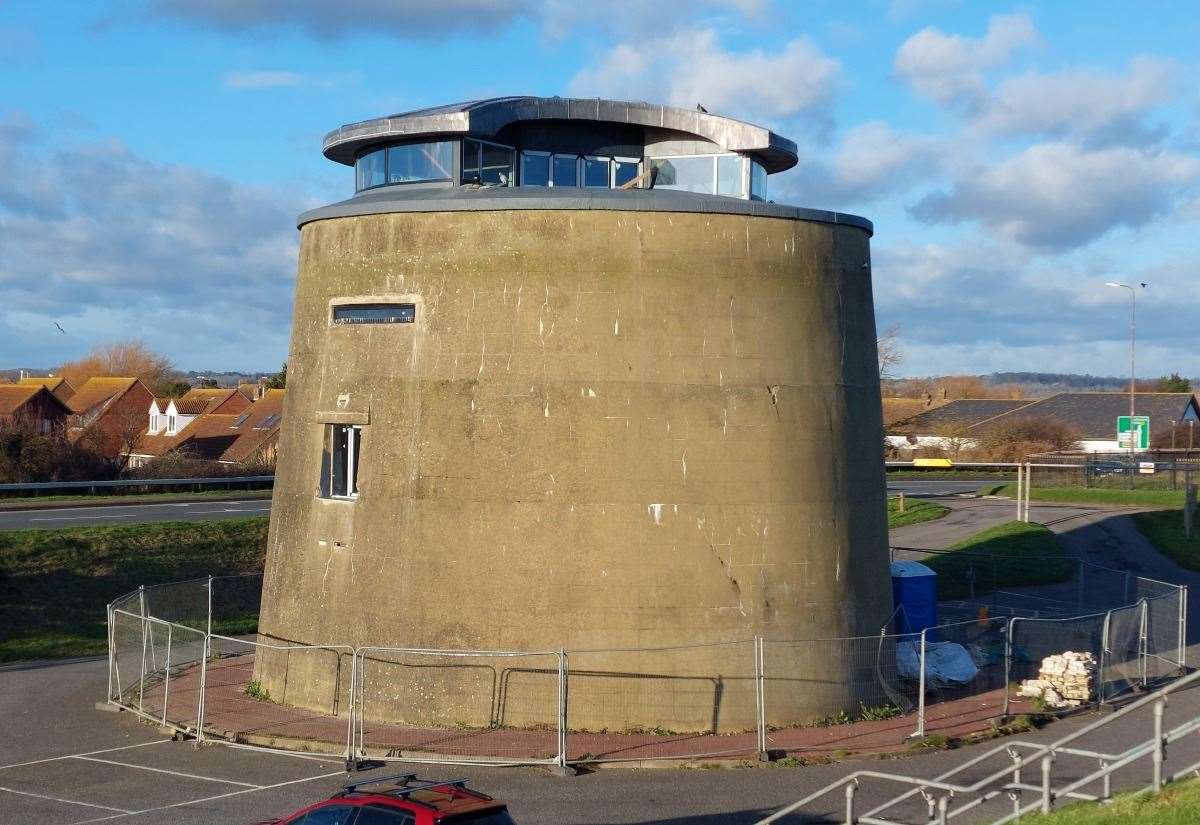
pixel 662 703
pixel 469 706
pixel 1032 641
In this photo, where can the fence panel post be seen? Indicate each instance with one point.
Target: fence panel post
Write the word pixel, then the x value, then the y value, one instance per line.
pixel 1020 488
pixel 108 612
pixel 921 692
pixel 1182 640
pixel 1008 649
pixel 1143 642
pixel 203 684
pixel 351 763
pixel 210 600
pixel 562 709
pixel 1104 651
pixel 167 677
pixel 760 698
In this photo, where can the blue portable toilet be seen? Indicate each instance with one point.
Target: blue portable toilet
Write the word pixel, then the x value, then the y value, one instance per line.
pixel 914 594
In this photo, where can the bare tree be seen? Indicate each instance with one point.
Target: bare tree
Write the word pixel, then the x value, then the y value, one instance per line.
pixel 890 354
pixel 131 359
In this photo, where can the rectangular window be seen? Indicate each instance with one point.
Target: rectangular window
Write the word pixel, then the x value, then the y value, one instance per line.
pixel 687 174
pixel 341 461
pixel 596 172
pixel 170 425
pixel 353 314
pixel 625 170
pixel 370 169
pixel 489 164
pixel 420 161
pixel 535 169
pixel 758 181
pixel 730 176
pixel 566 170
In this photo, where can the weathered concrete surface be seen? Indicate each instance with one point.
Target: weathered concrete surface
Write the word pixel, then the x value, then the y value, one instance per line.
pixel 604 430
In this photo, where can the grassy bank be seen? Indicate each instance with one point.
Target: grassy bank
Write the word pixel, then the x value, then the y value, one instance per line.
pixel 54 584
pixel 1098 495
pixel 915 511
pixel 1178 804
pixel 1015 554
pixel 1164 529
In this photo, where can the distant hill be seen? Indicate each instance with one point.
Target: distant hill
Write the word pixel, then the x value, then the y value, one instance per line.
pixel 1042 383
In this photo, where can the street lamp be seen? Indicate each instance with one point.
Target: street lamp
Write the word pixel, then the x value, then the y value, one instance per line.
pixel 1132 362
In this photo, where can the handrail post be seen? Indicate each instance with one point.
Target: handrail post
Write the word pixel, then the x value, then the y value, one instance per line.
pixel 1160 751
pixel 167 677
pixel 561 759
pixel 1106 792
pixel 1016 791
pixel 1047 794
pixel 921 691
pixel 851 788
pixel 943 805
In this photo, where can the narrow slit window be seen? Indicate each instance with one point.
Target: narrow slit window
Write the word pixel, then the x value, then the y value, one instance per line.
pixel 341 461
pixel 352 314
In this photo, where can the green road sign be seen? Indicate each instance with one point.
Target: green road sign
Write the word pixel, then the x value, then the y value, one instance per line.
pixel 1141 426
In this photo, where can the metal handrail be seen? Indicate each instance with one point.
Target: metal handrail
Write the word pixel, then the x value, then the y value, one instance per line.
pixel 851 781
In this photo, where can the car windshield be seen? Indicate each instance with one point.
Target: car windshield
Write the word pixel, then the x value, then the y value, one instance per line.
pixel 500 817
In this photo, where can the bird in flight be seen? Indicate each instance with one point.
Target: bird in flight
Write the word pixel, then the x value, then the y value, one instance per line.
pixel 60 329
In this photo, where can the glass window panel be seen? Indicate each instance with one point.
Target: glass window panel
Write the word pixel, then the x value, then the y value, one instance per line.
pixel 470 161
pixel 624 172
pixel 420 161
pixel 566 170
pixel 684 173
pixel 370 815
pixel 329 815
pixel 596 172
pixel 535 170
pixel 497 165
pixel 340 464
pixel 758 181
pixel 729 176
pixel 369 168
pixel 351 314
pixel 355 440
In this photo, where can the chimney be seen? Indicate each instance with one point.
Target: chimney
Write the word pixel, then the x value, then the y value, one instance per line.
pixel 261 389
pixel 21 377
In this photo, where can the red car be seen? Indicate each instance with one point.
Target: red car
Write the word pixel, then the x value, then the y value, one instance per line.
pixel 402 800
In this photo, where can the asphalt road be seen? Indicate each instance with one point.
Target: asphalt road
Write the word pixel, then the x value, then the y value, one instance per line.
pixel 77 516
pixel 73 514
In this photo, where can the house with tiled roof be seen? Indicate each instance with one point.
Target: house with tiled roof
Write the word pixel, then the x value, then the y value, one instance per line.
pixel 226 431
pixel 169 416
pixel 1092 415
pixel 56 384
pixel 109 412
pixel 33 405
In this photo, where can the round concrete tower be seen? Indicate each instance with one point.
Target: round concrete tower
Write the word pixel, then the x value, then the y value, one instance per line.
pixel 562 377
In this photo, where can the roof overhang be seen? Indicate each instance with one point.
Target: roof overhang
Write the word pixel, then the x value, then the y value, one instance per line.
pixel 484 118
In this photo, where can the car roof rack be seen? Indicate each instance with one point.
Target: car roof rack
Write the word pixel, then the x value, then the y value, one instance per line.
pixel 407 783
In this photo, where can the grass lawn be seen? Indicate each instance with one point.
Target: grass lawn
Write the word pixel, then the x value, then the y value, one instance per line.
pixel 1098 495
pixel 132 498
pixel 1164 529
pixel 54 584
pixel 915 511
pixel 1007 555
pixel 1178 804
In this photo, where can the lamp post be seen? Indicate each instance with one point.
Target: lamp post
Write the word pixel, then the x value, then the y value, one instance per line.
pixel 1132 361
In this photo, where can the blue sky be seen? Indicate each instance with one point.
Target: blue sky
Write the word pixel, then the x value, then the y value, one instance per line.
pixel 1014 157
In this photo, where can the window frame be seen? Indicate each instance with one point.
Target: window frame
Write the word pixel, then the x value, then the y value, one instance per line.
pixel 578 168
pixel 607 160
pixel 462 166
pixel 614 161
pixel 715 156
pixel 549 156
pixel 353 446
pixel 386 148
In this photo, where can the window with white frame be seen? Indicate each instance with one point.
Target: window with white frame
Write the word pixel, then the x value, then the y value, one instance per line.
pixel 342 443
pixel 725 174
pixel 170 425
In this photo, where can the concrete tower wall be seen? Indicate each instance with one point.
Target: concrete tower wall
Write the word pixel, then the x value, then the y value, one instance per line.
pixel 605 429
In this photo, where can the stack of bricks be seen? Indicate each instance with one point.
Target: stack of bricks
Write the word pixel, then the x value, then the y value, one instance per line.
pixel 1066 680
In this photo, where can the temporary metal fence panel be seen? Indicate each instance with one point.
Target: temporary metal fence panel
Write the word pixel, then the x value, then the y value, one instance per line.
pixel 1165 622
pixel 951 650
pixel 283 696
pixel 127 656
pixel 664 703
pixel 1032 640
pixel 812 687
pixel 236 601
pixel 472 706
pixel 1123 666
pixel 183 602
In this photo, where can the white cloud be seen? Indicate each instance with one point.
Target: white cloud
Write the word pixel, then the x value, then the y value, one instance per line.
pixel 950 68
pixel 691 67
pixel 1086 102
pixel 261 79
pixel 200 266
pixel 1056 196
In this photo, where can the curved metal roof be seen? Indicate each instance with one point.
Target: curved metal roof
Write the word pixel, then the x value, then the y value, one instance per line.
pixel 484 118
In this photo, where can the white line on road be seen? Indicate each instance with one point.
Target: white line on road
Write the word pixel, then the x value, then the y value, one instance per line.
pixel 83 518
pixel 164 770
pixel 120 811
pixel 211 798
pixel 85 753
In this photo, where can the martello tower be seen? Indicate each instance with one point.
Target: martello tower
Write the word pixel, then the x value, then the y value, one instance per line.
pixel 561 375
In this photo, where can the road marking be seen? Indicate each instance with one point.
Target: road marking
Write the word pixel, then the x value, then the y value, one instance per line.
pixel 85 753
pixel 164 770
pixel 81 518
pixel 210 798
pixel 120 811
pixel 233 510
